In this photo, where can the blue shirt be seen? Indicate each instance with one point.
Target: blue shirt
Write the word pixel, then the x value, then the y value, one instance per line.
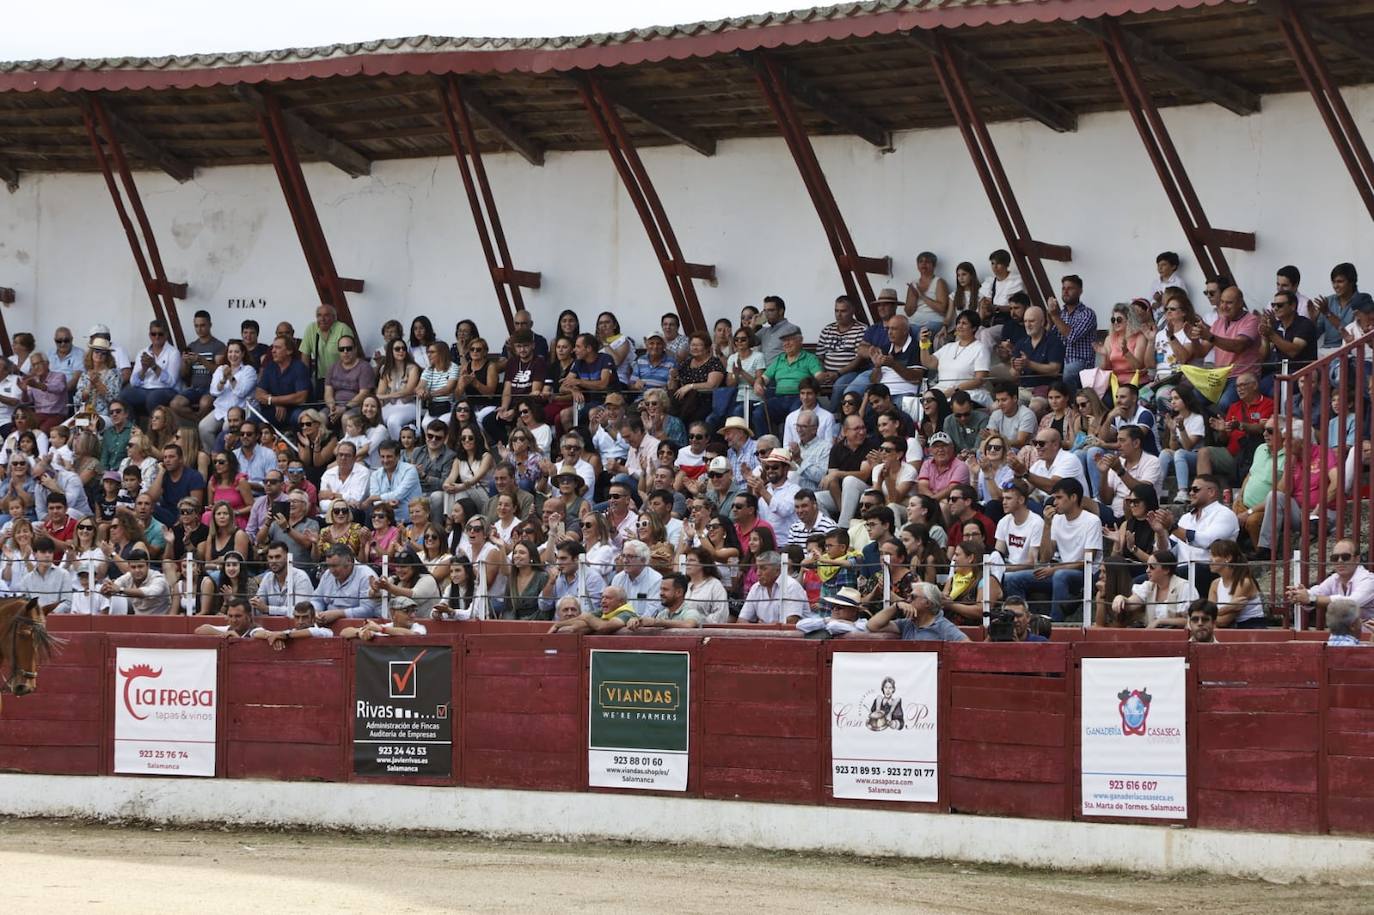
pixel 352 594
pixel 1050 349
pixel 257 466
pixel 275 381
pixel 592 372
pixel 1331 330
pixel 595 584
pixel 939 630
pixel 401 486
pixel 654 376
pixel 173 491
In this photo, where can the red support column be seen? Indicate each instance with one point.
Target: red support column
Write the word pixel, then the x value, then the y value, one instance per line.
pixel 504 276
pixel 329 286
pixel 676 270
pixel 1025 251
pixel 109 155
pixel 1342 127
pixel 1205 241
pixel 854 268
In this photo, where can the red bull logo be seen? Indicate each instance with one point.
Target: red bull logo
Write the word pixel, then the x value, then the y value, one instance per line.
pixel 141 701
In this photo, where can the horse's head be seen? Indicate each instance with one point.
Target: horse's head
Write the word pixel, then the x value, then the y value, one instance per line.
pixel 28 643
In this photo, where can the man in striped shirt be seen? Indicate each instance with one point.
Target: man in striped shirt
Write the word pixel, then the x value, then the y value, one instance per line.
pixel 837 347
pixel 810 519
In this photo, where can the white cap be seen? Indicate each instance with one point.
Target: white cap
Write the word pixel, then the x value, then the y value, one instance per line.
pixel 99 330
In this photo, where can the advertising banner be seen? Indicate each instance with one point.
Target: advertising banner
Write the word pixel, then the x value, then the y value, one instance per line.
pixel 883 726
pixel 637 732
pixel 165 707
pixel 1135 739
pixel 402 702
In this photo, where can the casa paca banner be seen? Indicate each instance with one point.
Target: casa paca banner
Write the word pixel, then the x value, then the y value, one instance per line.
pixel 884 727
pixel 166 703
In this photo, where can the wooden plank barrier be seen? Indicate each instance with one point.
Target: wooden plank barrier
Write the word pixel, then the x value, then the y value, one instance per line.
pixel 1010 710
pixel 1349 740
pixel 1259 761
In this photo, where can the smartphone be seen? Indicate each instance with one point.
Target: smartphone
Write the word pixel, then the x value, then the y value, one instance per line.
pixel 281 507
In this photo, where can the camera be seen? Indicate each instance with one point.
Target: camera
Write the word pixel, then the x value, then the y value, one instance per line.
pixel 1002 626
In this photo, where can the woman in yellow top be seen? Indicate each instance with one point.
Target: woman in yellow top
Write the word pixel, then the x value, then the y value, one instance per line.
pixel 963 597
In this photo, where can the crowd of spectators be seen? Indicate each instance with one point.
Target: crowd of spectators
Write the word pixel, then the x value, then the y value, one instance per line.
pixel 965 459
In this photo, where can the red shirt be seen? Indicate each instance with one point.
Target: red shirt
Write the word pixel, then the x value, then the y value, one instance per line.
pixel 67 532
pixel 1255 414
pixel 956 530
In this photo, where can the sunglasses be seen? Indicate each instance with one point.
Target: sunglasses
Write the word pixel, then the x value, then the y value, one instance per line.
pixel 477 529
pixel 1083 405
pixel 1342 557
pixel 1118 320
pixel 587 524
pixel 221 462
pixel 85 527
pixel 346 349
pixel 186 511
pixel 697 437
pixel 340 511
pixel 433 437
pixel 156 333
pixel 61 340
pixel 524 412
pixel 994 448
pixel 1039 444
pixel 1195 489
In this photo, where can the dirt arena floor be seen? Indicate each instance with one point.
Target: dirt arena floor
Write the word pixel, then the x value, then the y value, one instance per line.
pixel 64 866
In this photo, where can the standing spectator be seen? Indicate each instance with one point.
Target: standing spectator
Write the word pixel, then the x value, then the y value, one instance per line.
pixel 1235 336
pixel 320 344
pixel 1076 326
pixel 1166 266
pixel 152 382
pixel 231 385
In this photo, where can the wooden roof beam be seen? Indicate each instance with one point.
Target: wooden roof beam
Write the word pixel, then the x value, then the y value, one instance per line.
pixel 144 148
pixel 696 140
pixel 1039 107
pixel 10 175
pixel 835 110
pixel 1217 89
pixel 500 125
pixel 1354 45
pixel 342 157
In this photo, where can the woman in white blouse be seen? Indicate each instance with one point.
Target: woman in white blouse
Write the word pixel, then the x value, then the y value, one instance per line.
pixel 705 591
pixel 231 386
pixel 963 363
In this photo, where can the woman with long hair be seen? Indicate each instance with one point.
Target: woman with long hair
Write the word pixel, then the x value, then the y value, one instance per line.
pixel 99 381
pixel 231 580
pixel 85 553
pixel 721 544
pixel 561 360
pixel 568 328
pixel 721 344
pixel 1129 544
pixel 126 535
pixel 1091 414
pixel 409 578
pixel 619 346
pixel 437 383
pixel 1234 590
pixel 460 597
pixel 506 520
pixel 86 459
pixel 17 555
pixel 436 558
pixel 421 336
pixel 1185 432
pixel 991 473
pixel 340 529
pixel 760 540
pixel 520 453
pixel 964 589
pixel 231 385
pixel 597 545
pixel 964 296
pixel 396 384
pixel 385 537
pixel 139 454
pixel 316 444
pixel 698 378
pixel 224 537
pixel 705 591
pixel 372 431
pixel 1126 351
pixel 471 469
pixel 229 485
pixel 525 578
pixel 651 531
pixel 934 409
pixel 162 429
pixel 1173 347
pixel 464 332
pixel 924 555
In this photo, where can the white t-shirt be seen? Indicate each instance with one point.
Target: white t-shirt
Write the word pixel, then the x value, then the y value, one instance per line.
pixel 1065 466
pixel 907 474
pixel 1166 361
pixel 1022 540
pixel 959 363
pixel 1074 538
pixel 1195 426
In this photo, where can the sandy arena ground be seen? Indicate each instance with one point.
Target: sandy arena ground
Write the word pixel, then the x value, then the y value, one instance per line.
pixel 61 866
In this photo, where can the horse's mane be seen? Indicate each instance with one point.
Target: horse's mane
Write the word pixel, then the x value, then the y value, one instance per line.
pixel 15 609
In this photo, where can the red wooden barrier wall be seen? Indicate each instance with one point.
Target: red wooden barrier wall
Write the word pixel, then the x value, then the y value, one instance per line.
pixel 1281 735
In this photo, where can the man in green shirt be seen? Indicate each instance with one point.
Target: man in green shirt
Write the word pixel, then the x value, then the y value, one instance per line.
pixel 1253 498
pixel 114 441
pixel 677 614
pixel 783 375
pixel 320 346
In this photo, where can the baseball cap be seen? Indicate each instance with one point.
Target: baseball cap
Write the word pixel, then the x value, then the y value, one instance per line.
pixel 113 475
pixel 649 336
pixel 939 438
pixel 718 465
pixel 99 330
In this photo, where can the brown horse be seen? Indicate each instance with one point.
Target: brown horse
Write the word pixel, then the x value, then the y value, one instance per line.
pixel 24 642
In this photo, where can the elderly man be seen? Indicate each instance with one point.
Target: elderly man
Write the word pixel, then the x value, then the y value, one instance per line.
pixel 54 481
pixel 65 358
pixel 742 452
pixel 1343 622
pixel 1234 338
pixel 774 598
pixel 349 380
pixel 1037 358
pixel 777 386
pixel 139 590
pixel 284 385
pixel 1350 579
pixel 809 449
pixel 1243 425
pixel 280 588
pixel 776 492
pixel 636 579
pixel 676 614
pixel 615 614
pixel 571 581
pixel 345 482
pixel 152 383
pixel 922 618
pixel 394 483
pixel 1052 464
pixel 320 345
pixel 898 365
pixel 941 472
pixel 809 401
pixel 345 588
pixel 655 367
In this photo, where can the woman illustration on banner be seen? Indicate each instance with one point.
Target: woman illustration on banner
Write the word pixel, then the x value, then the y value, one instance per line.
pixel 886 711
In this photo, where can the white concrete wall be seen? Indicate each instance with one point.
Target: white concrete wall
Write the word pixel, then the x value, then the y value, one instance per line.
pixel 406 230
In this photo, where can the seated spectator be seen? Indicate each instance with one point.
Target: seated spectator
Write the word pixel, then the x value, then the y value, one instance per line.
pixel 152 383
pixel 776 388
pixel 921 617
pixel 963 363
pixel 1193 533
pixel 676 612
pixel 1126 352
pixel 1072 532
pixel 615 614
pixel 1343 622
pixel 345 588
pixel 1052 464
pixel 304 625
pixel 1126 412
pixel 655 368
pixel 393 484
pixel 927 299
pixel 47 580
pixel 1037 358
pixel 1162 599
pixel 1202 622
pixel 139 590
pixel 284 384
pixel 1234 589
pixel 774 598
pixel 1242 428
pixel 175 483
pixel 1185 432
pixel 1020 530
pixel 637 579
pixel 941 471
pixel 1022 621
pixel 410 583
pixel 1013 421
pixel 968 588
pixel 837 348
pixel 1350 578
pixel 1117 475
pixel 571 580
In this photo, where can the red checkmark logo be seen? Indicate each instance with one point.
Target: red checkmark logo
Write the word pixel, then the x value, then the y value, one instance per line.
pixel 401 680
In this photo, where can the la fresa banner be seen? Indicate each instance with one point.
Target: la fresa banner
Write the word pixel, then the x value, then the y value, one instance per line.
pixel 166 704
pixel 402 711
pixel 1135 737
pixel 884 726
pixel 638 720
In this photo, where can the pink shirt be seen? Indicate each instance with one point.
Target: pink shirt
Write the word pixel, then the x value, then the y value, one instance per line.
pixel 1306 482
pixel 956 472
pixel 1247 325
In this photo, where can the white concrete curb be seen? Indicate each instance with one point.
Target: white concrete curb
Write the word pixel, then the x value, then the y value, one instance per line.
pixel 1029 843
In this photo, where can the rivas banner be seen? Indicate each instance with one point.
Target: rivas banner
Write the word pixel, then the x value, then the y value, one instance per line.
pixel 402 711
pixel 1135 739
pixel 883 725
pixel 637 733
pixel 165 707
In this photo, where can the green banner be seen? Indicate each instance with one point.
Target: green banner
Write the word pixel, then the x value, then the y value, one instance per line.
pixel 637 733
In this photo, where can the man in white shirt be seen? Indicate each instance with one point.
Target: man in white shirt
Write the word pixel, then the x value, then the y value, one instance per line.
pixel 65 358
pixel 643 447
pixel 776 492
pixel 345 482
pixel 1051 465
pixel 278 591
pixel 1192 535
pixel 774 598
pixel 1075 534
pixel 1350 579
pixel 153 381
pixel 1020 530
pixel 1130 467
pixel 11 393
pixel 639 583
pixel 826 426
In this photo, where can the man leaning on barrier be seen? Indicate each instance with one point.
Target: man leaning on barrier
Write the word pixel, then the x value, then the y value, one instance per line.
pixel 676 614
pixel 304 625
pixel 1351 579
pixel 615 614
pixel 919 619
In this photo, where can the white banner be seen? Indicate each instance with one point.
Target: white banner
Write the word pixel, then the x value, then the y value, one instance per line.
pixel 1135 737
pixel 883 734
pixel 165 705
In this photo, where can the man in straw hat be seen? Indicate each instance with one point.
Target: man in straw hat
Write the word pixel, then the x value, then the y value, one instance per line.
pixel 838 614
pixel 743 451
pixel 776 491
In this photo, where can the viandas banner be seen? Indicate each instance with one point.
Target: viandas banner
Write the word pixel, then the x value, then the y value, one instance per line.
pixel 402 702
pixel 1135 738
pixel 884 726
pixel 637 728
pixel 166 700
